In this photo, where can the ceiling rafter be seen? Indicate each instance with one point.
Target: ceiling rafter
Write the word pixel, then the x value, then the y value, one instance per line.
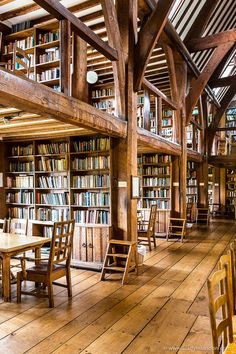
pixel 212 41
pixel 223 81
pixel 148 36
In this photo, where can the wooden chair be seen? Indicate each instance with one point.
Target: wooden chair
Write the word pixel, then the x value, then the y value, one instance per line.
pixel 203 216
pixel 176 229
pixel 46 271
pixel 220 327
pixel 148 234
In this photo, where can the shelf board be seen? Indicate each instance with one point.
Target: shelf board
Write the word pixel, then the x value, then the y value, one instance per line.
pixel 90 206
pixel 25 204
pixel 19 188
pixel 52 189
pixel 90 170
pixel 47 45
pixel 50 82
pixel 165 187
pixel 53 205
pixel 49 64
pixel 21 157
pixel 21 172
pixel 103 97
pixel 52 172
pixel 52 155
pixel 90 188
pixel 100 152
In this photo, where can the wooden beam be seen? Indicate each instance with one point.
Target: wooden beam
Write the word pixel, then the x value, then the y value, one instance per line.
pixel 156 142
pixel 60 12
pixel 223 81
pixel 212 41
pixel 5 2
pixel 194 155
pixel 198 85
pixel 65 50
pixel 23 10
pixel 172 73
pixel 79 82
pixel 223 63
pixel 218 115
pixel 156 92
pixel 201 21
pixel 148 37
pixel 75 8
pixel 114 38
pixel 39 99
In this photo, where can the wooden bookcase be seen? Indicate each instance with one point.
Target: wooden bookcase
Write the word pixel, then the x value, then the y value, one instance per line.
pixel 230 190
pixel 210 187
pixel 103 98
pixel 167 124
pixel 192 189
pixel 42 44
pixel 155 171
pixel 52 180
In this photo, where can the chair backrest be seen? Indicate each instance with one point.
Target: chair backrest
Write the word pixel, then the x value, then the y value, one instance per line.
pixel 3 225
pixel 61 244
pixel 18 226
pixel 152 220
pixel 232 248
pixel 221 302
pixel 227 260
pixel 177 223
pixel 21 60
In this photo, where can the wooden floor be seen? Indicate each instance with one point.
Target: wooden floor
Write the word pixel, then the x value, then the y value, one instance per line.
pixel 163 310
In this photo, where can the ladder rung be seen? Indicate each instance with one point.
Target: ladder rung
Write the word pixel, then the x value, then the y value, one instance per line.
pixel 119 255
pixel 118 269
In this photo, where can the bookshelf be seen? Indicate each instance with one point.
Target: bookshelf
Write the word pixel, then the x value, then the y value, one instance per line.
pixel 192 185
pixel 53 180
pixel 155 171
pixel 230 189
pixel 140 110
pixel 42 44
pixel 167 124
pixel 103 98
pixel 210 187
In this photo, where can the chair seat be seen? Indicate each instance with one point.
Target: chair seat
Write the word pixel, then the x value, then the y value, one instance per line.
pixel 43 268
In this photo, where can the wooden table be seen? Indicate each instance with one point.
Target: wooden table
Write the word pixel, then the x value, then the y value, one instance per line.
pixel 10 245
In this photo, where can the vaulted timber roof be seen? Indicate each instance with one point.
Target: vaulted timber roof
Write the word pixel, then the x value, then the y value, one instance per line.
pixel 186 17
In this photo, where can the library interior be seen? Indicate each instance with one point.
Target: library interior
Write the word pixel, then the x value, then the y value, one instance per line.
pixel 118 176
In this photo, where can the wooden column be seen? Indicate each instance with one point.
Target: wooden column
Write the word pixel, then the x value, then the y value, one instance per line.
pixel 124 208
pixel 3 211
pixel 222 186
pixel 146 111
pixel 79 82
pixel 202 178
pixel 65 49
pixel 175 195
pixel 159 115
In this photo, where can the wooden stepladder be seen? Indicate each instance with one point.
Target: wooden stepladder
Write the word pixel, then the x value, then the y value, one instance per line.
pixel 121 256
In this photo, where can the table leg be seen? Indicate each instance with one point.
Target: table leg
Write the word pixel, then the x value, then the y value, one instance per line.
pixel 6 285
pixel 37 255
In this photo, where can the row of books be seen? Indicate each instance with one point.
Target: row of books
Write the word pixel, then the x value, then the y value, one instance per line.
pixel 140 121
pixel 22 197
pixel 97 144
pixel 157 193
pixel 91 216
pixel 161 204
pixel 91 181
pixel 20 182
pixel 21 213
pixel 102 92
pixel 155 181
pixel 156 158
pixel 167 133
pixel 104 104
pixel 52 165
pixel 20 166
pixel 192 198
pixel 23 44
pixel 53 182
pixel 50 74
pixel 48 37
pixel 21 26
pixel 231 194
pixel 167 122
pixel 192 182
pixel 91 199
pixel 140 99
pixel 163 170
pixel 53 148
pixel 53 198
pixel 49 55
pixel 20 150
pixel 191 190
pixel 47 214
pixel 167 113
pixel 91 163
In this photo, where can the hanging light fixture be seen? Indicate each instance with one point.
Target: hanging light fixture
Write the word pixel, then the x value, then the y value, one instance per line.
pixel 92 77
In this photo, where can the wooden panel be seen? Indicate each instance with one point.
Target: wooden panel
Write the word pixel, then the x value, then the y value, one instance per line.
pixel 89 243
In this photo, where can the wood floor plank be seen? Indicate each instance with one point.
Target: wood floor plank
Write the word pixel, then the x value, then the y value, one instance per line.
pixel 164 307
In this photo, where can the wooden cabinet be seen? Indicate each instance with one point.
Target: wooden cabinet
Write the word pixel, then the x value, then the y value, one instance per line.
pixel 90 243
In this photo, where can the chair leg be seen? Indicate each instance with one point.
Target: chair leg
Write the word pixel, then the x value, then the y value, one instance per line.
pixel 50 294
pixel 149 242
pixel 154 240
pixel 68 279
pixel 19 280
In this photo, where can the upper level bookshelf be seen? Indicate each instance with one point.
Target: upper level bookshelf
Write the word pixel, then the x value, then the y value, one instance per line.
pixel 42 44
pixel 155 172
pixel 230 189
pixel 167 124
pixel 52 180
pixel 103 98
